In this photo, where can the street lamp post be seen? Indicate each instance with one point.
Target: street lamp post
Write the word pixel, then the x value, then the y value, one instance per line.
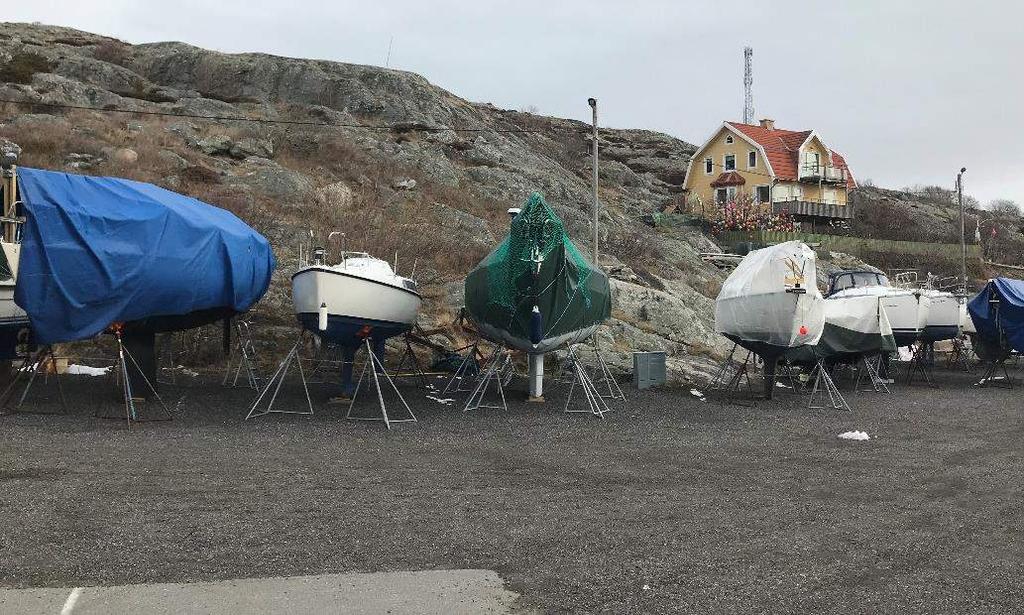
pixel 593 105
pixel 963 226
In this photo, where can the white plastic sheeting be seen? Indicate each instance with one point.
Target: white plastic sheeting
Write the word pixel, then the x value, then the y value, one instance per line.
pixel 863 314
pixel 772 298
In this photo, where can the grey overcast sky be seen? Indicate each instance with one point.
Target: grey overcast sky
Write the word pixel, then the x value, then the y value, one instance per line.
pixel 908 91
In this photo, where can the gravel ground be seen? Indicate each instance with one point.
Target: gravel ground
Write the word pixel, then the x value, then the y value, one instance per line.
pixel 671 504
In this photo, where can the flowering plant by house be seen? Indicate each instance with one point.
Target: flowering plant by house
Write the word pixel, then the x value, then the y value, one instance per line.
pixel 749 216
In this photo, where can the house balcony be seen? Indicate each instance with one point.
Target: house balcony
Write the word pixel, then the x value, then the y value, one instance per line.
pixel 814 209
pixel 815 173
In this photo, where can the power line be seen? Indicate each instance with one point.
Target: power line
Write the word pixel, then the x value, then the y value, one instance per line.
pixel 394 127
pixel 410 127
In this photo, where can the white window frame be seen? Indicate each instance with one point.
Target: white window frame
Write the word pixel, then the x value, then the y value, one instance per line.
pixel 731 192
pixel 767 187
pixel 721 201
pixel 709 165
pixel 753 153
pixel 725 164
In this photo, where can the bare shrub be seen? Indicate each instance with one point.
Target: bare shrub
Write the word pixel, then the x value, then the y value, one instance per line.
pixel 22 66
pixel 111 51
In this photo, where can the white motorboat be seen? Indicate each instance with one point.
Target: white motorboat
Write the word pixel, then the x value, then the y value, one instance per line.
pixel 771 303
pixel 357 299
pixel 907 309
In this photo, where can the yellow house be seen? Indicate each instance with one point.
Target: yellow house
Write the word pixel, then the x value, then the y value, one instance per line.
pixel 792 170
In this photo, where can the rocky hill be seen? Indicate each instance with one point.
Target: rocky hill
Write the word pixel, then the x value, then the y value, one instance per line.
pixel 401 166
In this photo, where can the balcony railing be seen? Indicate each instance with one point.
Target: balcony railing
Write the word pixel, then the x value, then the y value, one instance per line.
pixel 820 172
pixel 816 209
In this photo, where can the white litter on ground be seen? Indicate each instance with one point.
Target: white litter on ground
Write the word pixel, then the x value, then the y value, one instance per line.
pixel 85 370
pixel 187 371
pixel 446 402
pixel 782 386
pixel 697 394
pixel 855 435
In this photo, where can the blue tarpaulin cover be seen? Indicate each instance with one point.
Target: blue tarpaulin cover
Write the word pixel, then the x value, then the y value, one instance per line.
pixel 99 250
pixel 1010 319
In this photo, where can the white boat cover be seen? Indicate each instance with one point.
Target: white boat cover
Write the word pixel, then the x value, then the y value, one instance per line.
pixel 772 298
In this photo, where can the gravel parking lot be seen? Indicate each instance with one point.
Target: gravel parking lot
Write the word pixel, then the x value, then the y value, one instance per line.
pixel 671 504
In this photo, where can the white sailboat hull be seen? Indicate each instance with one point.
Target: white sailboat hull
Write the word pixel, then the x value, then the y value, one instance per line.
pixel 771 302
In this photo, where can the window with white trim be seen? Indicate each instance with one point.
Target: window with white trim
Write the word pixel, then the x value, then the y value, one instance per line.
pixel 729 163
pixel 709 166
pixel 751 159
pixel 720 196
pixel 763 194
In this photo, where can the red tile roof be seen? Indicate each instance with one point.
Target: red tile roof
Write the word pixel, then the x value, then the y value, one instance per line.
pixel 729 178
pixel 782 148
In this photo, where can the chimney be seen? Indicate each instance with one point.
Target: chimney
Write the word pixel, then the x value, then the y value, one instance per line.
pixel 768 124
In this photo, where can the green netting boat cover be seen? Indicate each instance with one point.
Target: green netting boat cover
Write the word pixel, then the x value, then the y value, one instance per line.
pixel 537 266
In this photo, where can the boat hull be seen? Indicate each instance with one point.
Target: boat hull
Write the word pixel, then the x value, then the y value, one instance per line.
pixel 770 303
pixel 357 308
pixel 855 327
pixel 943 317
pixel 907 310
pixel 776 336
pixel 505 338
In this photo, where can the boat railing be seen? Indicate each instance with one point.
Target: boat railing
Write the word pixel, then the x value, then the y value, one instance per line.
pixel 906 279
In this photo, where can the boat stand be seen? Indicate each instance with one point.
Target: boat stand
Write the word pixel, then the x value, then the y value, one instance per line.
pixel 246 352
pixel 495 371
pixel 723 369
pixel 922 361
pixel 458 382
pixel 992 379
pixel 596 404
pixel 822 379
pixel 960 357
pixel 31 364
pixel 605 377
pixel 375 365
pixel 871 368
pixel 131 413
pixel 415 369
pixel 740 375
pixel 278 379
pixel 165 359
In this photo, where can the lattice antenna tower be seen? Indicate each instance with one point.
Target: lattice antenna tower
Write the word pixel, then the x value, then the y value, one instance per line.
pixel 748 85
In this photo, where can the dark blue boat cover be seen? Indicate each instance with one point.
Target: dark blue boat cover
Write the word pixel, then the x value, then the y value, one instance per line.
pixel 99 250
pixel 1010 318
